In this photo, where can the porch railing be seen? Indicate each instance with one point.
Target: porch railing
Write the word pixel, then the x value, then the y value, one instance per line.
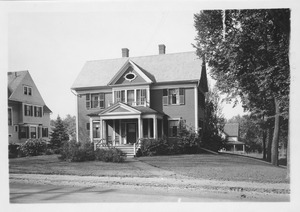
pixel 100 143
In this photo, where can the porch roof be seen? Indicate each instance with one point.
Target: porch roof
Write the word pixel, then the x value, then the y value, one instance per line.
pixel 141 109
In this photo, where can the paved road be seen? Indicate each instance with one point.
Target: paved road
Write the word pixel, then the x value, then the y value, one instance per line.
pixel 35 193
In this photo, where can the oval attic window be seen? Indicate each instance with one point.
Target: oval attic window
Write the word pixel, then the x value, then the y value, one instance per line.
pixel 130 76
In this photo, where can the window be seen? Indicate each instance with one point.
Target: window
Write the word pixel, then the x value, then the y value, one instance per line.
pixel 173 128
pixel 28 109
pixel 88 101
pixel 174 96
pixel 32 132
pixel 130 97
pixel 119 96
pixel 27 90
pixel 130 76
pixel 45 132
pixel 24 132
pixel 96 130
pixel 9 116
pixel 16 128
pixel 141 97
pixel 37 111
pixel 95 100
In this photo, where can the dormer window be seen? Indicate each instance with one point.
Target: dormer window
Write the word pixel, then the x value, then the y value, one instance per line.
pixel 27 90
pixel 130 76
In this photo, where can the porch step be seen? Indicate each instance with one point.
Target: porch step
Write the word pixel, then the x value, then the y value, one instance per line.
pixel 127 149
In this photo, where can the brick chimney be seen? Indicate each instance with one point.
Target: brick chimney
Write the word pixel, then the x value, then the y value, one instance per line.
pixel 125 52
pixel 162 49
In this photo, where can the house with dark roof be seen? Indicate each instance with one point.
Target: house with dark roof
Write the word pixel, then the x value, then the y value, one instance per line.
pixel 28 115
pixel 232 134
pixel 120 101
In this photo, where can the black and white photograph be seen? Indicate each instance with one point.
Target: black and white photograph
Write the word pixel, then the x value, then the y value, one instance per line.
pixel 121 105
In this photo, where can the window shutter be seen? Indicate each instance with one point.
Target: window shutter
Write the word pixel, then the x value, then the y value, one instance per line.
pixel 181 96
pixel 102 101
pixel 88 101
pixel 31 110
pixel 87 126
pixel 165 97
pixel 27 131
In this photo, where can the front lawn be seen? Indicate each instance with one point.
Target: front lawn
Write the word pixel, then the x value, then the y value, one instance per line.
pixel 220 167
pixel 50 164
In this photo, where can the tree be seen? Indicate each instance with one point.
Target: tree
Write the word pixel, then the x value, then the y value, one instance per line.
pixel 59 133
pixel 70 126
pixel 213 122
pixel 247 51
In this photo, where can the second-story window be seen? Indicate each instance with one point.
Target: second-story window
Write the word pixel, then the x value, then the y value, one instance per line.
pixel 9 116
pixel 28 110
pixel 119 96
pixel 95 100
pixel 37 111
pixel 130 97
pixel 141 97
pixel 175 96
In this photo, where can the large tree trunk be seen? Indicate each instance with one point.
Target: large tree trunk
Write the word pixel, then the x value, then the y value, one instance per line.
pixel 270 137
pixel 264 144
pixel 274 157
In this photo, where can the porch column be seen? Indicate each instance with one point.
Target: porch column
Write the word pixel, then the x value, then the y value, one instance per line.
pixel 149 128
pixel 243 148
pixel 114 133
pixel 233 147
pixel 101 128
pixel 140 127
pixel 155 127
pixel 91 129
pixel 104 130
pixel 162 128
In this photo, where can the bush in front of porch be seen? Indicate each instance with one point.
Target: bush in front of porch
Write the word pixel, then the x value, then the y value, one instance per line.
pixel 73 151
pixel 187 142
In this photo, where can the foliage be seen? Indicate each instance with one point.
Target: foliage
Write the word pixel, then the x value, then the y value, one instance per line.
pixel 110 155
pixel 213 122
pixel 150 147
pixel 59 134
pixel 248 52
pixel 189 141
pixel 73 151
pixel 32 147
pixel 13 151
pixel 70 126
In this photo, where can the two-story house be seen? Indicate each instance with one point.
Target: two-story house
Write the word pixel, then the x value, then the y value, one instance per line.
pixel 122 100
pixel 28 115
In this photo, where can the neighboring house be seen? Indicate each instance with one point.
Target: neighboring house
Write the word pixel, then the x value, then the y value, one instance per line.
pixel 120 101
pixel 28 115
pixel 232 134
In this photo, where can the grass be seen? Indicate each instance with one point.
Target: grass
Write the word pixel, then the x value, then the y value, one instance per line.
pixel 220 167
pixel 50 164
pixel 204 166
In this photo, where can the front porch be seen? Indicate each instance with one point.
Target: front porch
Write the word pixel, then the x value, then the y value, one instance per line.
pixel 122 125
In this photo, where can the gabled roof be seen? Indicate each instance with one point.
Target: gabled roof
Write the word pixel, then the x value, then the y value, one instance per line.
pixel 16 81
pixel 158 68
pixel 231 129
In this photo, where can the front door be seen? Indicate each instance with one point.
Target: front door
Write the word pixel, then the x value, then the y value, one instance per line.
pixel 131 133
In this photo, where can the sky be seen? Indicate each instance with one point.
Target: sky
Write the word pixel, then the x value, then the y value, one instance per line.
pixel 53 43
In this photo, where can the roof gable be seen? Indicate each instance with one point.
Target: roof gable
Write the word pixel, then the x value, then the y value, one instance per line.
pixel 231 129
pixel 119 109
pixel 184 66
pixel 137 76
pixel 16 83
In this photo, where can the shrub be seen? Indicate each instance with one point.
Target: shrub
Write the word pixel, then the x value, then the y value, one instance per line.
pixel 76 152
pixel 13 150
pixel 32 147
pixel 151 147
pixel 188 141
pixel 109 155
